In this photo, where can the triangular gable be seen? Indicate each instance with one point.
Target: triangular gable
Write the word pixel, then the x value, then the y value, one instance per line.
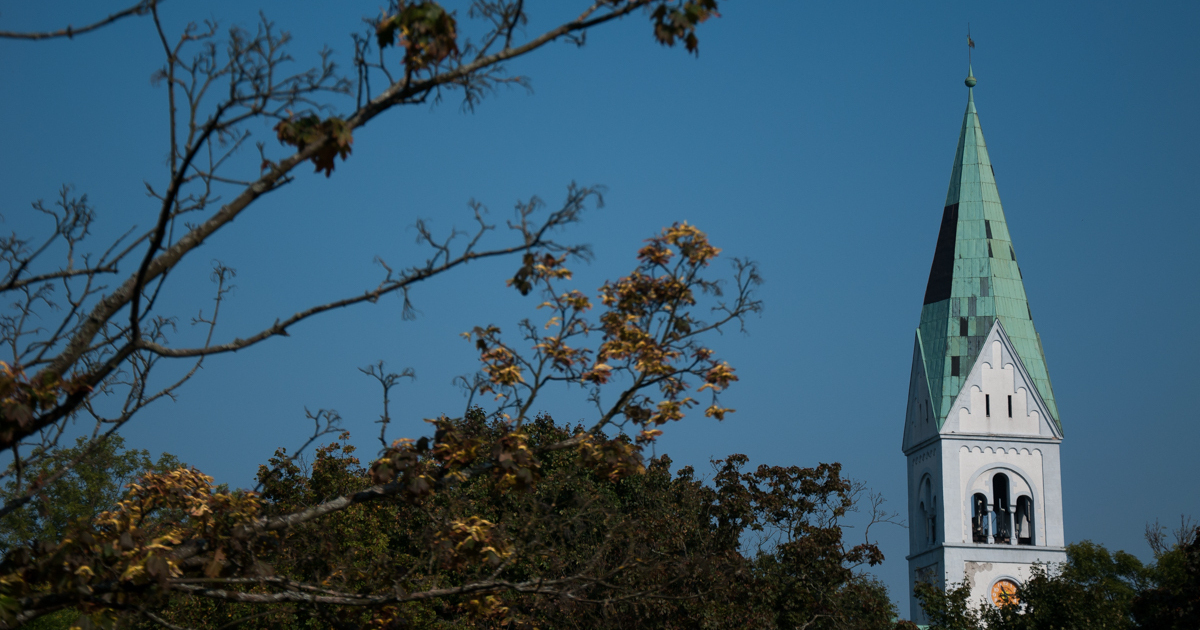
pixel 998 376
pixel 921 419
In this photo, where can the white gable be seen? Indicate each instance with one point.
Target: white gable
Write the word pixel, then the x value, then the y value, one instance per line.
pixel 920 422
pixel 999 397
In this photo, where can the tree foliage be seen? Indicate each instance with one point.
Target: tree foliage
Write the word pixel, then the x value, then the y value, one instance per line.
pixel 87 333
pixel 1172 599
pixel 94 482
pixel 762 548
pixel 175 535
pixel 1094 588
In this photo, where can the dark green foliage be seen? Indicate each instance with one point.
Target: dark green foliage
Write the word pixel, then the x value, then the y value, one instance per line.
pixel 1093 590
pixel 91 486
pixel 949 609
pixel 60 620
pixel 1174 602
pixel 650 550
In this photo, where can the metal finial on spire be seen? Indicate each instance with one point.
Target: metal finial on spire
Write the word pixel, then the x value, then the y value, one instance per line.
pixel 970 46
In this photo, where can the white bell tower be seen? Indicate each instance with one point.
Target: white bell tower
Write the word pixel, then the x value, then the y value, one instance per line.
pixel 982 430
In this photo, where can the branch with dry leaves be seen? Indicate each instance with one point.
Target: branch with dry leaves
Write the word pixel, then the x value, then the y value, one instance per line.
pixel 217 532
pixel 90 352
pixel 253 90
pixel 95 361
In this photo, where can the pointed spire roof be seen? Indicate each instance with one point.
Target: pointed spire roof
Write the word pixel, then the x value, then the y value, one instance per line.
pixel 974 279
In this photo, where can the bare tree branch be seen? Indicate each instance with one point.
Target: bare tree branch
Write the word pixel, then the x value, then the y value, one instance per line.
pixel 140 8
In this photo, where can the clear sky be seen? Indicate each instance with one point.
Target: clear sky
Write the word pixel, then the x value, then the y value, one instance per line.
pixel 816 138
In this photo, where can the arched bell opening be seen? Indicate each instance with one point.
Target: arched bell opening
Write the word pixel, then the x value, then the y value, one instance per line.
pixel 1002 509
pixel 1024 520
pixel 980 521
pixel 927 502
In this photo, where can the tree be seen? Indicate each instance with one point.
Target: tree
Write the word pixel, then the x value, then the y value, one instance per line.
pixel 948 609
pixel 94 482
pixel 1094 588
pixel 1172 602
pixel 761 549
pixel 175 535
pixel 642 360
pixel 94 478
pixel 805 573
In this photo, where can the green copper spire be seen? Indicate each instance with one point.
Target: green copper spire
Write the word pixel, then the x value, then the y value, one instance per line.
pixel 974 279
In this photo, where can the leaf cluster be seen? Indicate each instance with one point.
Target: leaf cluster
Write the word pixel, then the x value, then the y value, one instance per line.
pixel 22 397
pixel 679 21
pixel 650 329
pixel 426 31
pixel 132 544
pixel 94 480
pixel 332 136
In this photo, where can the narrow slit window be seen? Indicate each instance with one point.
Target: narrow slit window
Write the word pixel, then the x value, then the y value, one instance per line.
pixel 990 249
pixel 1011 253
pixel 953 366
pixel 962 327
pixel 987 226
pixel 987 405
pixel 1010 406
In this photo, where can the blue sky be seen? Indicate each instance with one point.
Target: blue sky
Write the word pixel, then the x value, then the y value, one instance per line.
pixel 816 138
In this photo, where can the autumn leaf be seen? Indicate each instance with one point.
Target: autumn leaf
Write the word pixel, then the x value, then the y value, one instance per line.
pixel 333 135
pixel 679 22
pixel 425 30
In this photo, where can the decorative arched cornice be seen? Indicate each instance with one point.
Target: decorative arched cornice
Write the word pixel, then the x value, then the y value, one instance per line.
pixel 998 466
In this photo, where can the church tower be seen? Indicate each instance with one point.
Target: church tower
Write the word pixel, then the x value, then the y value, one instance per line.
pixel 982 430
